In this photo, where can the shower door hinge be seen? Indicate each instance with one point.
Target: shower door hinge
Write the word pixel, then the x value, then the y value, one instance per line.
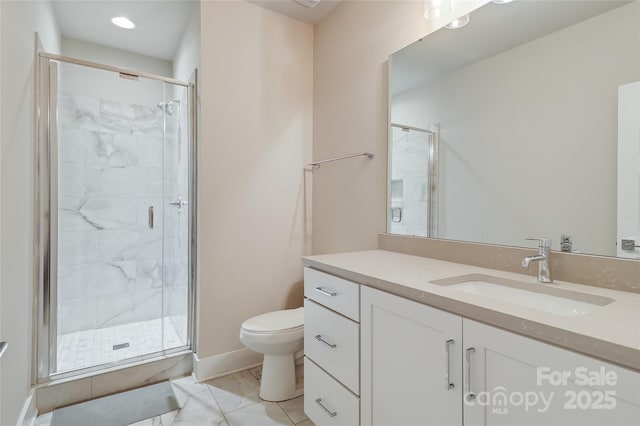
pixel 129 76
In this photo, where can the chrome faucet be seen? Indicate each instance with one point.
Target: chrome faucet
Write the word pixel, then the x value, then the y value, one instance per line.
pixel 544 248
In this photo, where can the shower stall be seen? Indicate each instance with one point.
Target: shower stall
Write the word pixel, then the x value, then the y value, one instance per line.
pixel 413 186
pixel 114 216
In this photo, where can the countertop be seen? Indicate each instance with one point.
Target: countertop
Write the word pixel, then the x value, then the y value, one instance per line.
pixel 610 333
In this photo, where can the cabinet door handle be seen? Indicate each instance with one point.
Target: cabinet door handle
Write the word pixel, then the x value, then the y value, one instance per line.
pixel 447 346
pixel 329 412
pixel 150 217
pixel 469 395
pixel 320 339
pixel 3 348
pixel 326 292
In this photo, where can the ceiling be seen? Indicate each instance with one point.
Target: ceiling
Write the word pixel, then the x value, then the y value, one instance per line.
pixel 159 23
pixel 295 10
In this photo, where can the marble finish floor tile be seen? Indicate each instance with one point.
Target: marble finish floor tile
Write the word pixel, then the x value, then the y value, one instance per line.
pixel 256 372
pixel 198 409
pixel 187 386
pixel 235 391
pixel 260 414
pixel 294 409
pixel 202 404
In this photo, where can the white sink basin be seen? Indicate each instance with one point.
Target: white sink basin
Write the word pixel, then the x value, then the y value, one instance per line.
pixel 533 296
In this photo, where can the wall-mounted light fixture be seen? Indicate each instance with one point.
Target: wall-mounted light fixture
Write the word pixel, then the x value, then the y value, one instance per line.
pixel 434 9
pixel 123 22
pixel 458 23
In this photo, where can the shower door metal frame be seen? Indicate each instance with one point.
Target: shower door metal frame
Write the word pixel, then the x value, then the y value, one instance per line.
pixel 46 216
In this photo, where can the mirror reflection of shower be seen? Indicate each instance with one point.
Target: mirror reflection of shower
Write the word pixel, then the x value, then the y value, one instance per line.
pixel 413 187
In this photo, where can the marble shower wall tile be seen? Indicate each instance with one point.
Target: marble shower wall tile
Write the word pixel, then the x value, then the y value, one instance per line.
pixel 71 145
pixel 78 112
pixel 111 149
pixel 77 314
pixel 132 182
pixel 111 212
pixel 129 307
pixel 110 172
pixel 150 151
pixel 69 216
pixel 105 279
pixel 148 121
pixel 77 247
pixel 125 244
pixel 78 180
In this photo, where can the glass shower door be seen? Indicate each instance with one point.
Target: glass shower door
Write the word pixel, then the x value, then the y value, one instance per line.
pixel 119 159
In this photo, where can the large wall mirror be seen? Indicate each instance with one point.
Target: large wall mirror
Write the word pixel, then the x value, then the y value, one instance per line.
pixel 523 123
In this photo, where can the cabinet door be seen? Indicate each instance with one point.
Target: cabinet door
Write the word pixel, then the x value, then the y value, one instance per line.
pixel 410 375
pixel 516 381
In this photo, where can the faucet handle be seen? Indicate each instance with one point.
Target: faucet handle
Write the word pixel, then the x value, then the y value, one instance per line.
pixel 542 242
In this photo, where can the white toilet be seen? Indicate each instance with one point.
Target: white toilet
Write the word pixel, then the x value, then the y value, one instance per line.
pixel 278 335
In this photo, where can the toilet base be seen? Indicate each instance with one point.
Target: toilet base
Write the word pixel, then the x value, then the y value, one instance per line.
pixel 278 381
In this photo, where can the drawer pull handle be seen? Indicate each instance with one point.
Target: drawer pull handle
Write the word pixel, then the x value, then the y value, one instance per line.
pixel 470 394
pixel 329 412
pixel 320 339
pixel 448 345
pixel 326 292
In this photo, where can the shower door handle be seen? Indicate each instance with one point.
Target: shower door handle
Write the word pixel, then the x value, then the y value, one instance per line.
pixel 150 217
pixel 179 204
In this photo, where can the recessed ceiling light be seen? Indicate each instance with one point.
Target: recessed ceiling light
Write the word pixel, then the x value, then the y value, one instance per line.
pixel 122 22
pixel 502 1
pixel 458 23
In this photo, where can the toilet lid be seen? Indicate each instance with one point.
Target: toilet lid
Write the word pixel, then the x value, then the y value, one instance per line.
pixel 275 321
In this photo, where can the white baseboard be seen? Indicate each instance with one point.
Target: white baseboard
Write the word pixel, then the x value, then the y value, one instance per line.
pixel 29 411
pixel 222 364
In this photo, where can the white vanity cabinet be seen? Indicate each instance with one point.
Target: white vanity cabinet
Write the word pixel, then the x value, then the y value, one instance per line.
pixel 520 381
pixel 424 366
pixel 411 367
pixel 332 349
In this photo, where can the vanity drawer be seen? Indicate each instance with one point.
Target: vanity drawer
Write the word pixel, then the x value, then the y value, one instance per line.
pixel 327 402
pixel 333 342
pixel 335 293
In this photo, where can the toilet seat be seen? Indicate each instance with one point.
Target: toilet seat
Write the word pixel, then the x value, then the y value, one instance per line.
pixel 275 322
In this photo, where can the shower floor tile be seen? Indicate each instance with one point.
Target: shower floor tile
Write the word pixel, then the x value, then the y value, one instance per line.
pixel 88 348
